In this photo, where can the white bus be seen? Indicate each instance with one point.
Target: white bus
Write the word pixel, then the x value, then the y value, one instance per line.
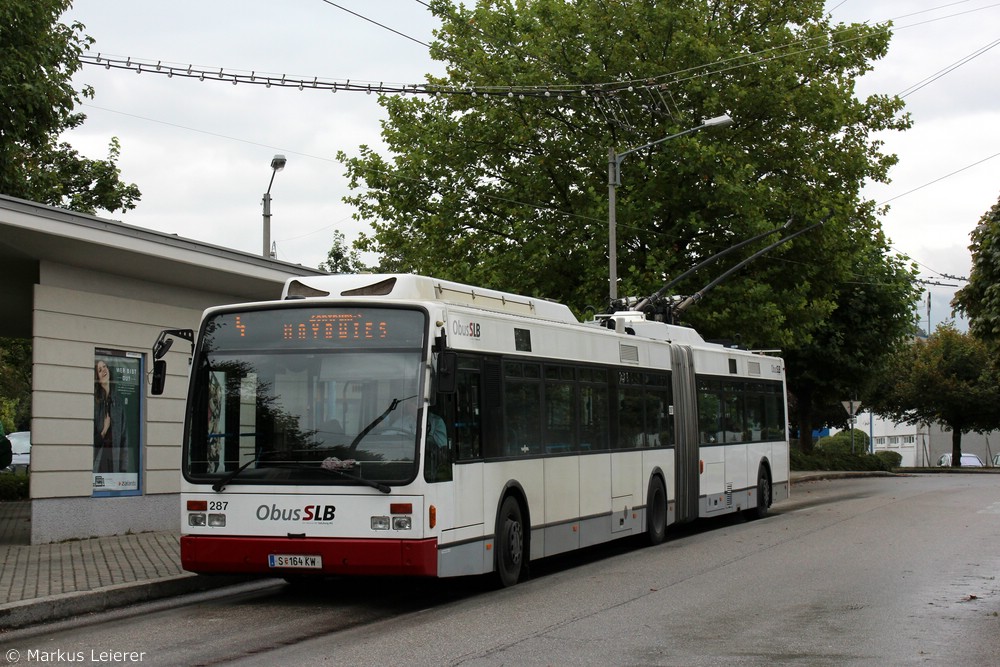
pixel 404 425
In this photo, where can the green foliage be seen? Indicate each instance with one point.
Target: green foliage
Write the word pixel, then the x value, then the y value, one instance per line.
pixel 38 58
pixel 15 384
pixel 823 459
pixel 342 258
pixel 842 442
pixel 14 487
pixel 980 298
pixel 8 415
pixel 892 459
pixel 511 193
pixel 950 378
pixel 872 317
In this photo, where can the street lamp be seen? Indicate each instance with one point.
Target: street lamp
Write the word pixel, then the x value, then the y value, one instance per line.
pixel 277 164
pixel 614 180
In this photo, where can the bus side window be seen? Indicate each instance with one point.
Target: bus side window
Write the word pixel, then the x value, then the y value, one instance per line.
pixel 439 443
pixel 522 397
pixel 560 414
pixel 733 419
pixel 631 422
pixel 756 413
pixel 593 416
pixel 709 414
pixel 466 417
pixel 775 420
pixel 523 403
pixel 658 424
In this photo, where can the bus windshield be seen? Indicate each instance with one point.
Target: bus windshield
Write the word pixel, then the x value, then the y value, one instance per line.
pixel 306 396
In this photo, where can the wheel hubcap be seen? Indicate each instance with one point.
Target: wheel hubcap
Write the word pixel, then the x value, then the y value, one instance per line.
pixel 514 540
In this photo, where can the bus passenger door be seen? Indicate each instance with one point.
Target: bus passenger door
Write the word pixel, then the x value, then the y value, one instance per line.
pixel 467 447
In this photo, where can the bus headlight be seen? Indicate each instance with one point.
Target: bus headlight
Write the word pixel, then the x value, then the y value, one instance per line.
pixel 401 523
pixel 196 519
pixel 380 523
pixel 217 520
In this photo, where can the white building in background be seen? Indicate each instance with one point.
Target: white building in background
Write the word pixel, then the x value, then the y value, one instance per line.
pixel 922 445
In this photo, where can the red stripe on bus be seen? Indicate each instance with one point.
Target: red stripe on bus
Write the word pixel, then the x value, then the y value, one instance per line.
pixel 249 555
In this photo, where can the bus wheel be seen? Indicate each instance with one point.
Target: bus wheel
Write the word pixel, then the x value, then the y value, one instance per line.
pixel 656 511
pixel 763 496
pixel 509 542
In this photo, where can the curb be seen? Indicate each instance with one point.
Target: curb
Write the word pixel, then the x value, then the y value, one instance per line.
pixel 65 605
pixel 841 474
pixel 817 475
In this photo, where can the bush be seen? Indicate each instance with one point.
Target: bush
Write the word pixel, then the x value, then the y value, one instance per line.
pixel 894 459
pixel 13 487
pixel 842 442
pixel 836 459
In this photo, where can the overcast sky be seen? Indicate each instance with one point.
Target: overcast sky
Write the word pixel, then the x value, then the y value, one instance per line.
pixel 201 151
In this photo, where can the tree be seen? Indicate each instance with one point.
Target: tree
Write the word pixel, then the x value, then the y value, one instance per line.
pixel 509 189
pixel 873 316
pixel 980 299
pixel 511 192
pixel 15 384
pixel 948 379
pixel 342 258
pixel 38 57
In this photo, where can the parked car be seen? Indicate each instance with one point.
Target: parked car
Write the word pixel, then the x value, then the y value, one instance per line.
pixel 20 444
pixel 968 461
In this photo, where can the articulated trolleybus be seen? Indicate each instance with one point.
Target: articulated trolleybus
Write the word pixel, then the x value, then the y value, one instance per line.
pixel 403 425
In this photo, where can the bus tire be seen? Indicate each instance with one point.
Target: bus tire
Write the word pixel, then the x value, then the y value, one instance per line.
pixel 763 496
pixel 656 511
pixel 510 543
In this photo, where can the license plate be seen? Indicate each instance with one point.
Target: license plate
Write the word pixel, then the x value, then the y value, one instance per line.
pixel 295 561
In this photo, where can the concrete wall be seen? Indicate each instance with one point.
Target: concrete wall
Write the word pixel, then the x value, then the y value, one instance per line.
pixel 985 445
pixel 75 311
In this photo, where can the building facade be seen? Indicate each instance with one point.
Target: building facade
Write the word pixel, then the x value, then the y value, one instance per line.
pixel 923 445
pixel 93 295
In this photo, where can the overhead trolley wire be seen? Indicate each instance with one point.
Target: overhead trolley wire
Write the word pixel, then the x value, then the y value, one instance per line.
pixel 372 21
pixel 558 91
pixel 552 90
pixel 947 70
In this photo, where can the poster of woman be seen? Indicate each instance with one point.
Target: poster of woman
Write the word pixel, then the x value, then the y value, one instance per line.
pixel 116 422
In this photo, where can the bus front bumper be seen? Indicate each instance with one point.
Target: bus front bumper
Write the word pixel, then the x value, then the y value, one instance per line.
pixel 265 556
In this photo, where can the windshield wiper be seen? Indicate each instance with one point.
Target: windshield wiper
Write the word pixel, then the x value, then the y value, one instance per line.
pixel 221 484
pixel 378 420
pixel 384 488
pixel 307 465
pixel 303 465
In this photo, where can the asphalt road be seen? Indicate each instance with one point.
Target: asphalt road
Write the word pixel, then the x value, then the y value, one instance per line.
pixel 880 571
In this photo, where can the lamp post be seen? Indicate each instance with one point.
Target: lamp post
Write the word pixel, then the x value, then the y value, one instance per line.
pixel 614 180
pixel 277 164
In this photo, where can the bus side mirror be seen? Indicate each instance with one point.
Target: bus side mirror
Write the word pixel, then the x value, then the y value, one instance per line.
pixel 159 376
pixel 160 349
pixel 447 375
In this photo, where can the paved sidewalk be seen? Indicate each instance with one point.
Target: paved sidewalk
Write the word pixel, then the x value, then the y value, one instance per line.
pixel 47 582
